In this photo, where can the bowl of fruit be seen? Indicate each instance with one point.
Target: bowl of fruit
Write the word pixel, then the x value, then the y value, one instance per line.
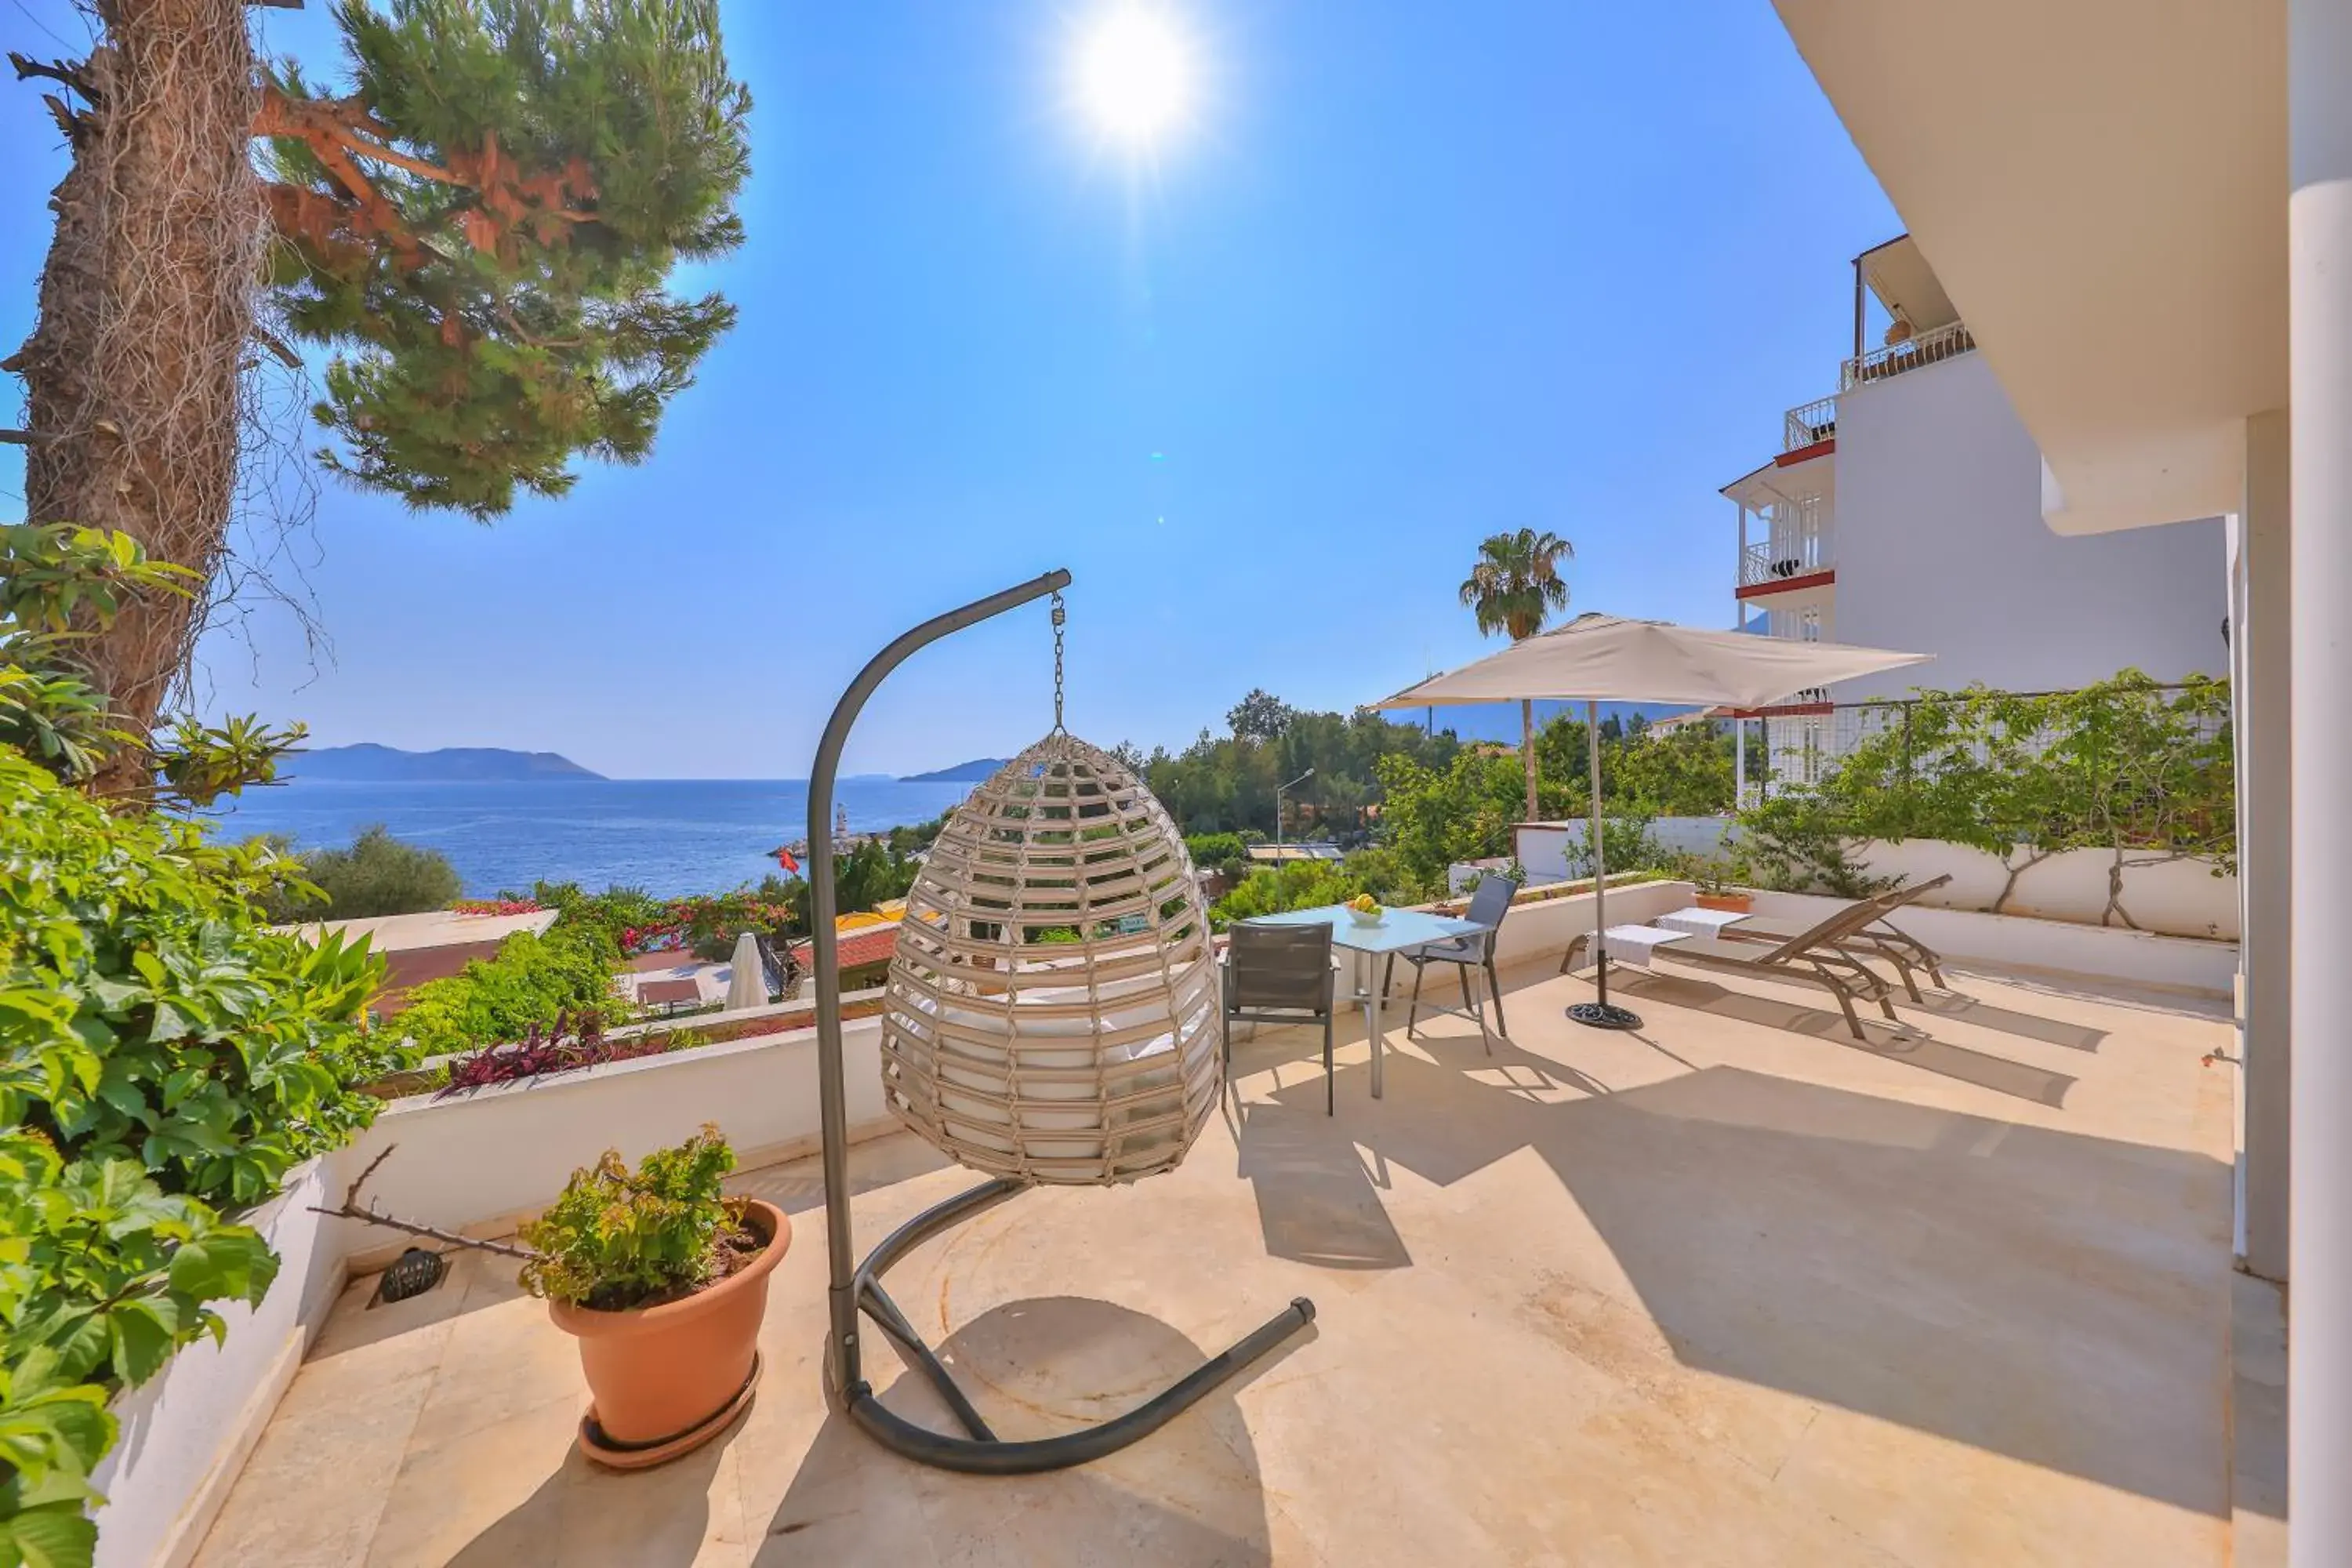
pixel 1365 910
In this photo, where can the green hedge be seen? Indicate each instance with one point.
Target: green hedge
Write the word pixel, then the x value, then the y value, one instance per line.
pixel 164 1061
pixel 527 984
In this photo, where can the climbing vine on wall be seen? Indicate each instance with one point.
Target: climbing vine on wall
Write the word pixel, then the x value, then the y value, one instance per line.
pixel 2129 765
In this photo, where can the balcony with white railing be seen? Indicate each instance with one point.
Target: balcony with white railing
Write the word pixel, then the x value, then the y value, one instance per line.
pixel 1808 425
pixel 1766 564
pixel 1931 347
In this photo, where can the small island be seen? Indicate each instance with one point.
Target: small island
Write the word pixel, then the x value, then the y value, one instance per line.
pixel 370 763
pixel 977 771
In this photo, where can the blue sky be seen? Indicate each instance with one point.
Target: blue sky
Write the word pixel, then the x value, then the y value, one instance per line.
pixel 1413 275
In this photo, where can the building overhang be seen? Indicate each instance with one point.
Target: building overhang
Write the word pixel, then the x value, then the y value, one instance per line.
pixel 2102 187
pixel 1778 711
pixel 1898 274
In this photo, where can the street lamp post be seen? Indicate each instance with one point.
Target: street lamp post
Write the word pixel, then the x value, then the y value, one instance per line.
pixel 1277 802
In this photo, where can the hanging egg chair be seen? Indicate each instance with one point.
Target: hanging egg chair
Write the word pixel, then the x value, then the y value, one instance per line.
pixel 1051 1018
pixel 1052 1012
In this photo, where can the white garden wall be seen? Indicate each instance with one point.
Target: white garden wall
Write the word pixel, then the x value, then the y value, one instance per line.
pixel 186 1433
pixel 1543 846
pixel 480 1161
pixel 1541 928
pixel 2170 897
pixel 2171 963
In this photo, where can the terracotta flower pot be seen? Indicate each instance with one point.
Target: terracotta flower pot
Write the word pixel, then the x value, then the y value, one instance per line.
pixel 667 1379
pixel 1730 904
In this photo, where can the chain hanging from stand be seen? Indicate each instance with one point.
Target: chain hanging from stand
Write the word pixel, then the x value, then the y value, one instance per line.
pixel 1060 615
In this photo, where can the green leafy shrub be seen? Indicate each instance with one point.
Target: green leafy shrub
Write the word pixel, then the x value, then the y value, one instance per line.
pixel 1272 890
pixel 163 1058
pixel 906 839
pixel 618 1239
pixel 529 982
pixel 1796 842
pixel 60 585
pixel 1627 845
pixel 1217 851
pixel 377 875
pixel 2140 770
pixel 1434 819
pixel 1382 872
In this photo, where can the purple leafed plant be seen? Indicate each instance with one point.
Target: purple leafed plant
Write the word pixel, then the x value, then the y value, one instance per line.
pixel 557 1050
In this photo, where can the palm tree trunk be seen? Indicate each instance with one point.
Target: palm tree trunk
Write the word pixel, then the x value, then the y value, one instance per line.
pixel 1528 751
pixel 145 311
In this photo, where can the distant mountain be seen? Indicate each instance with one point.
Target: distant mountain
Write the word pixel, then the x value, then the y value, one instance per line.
pixel 977 771
pixel 369 763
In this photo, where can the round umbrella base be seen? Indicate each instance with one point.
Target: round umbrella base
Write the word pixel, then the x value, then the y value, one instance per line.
pixel 1605 1015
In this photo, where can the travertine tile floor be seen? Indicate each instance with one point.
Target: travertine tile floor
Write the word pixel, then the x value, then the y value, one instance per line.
pixel 1729 1290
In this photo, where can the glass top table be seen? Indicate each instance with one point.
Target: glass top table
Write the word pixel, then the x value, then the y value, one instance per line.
pixel 1398 930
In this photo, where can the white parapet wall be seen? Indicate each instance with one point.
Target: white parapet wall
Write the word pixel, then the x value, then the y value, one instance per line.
pixel 2185 965
pixel 2167 897
pixel 2164 895
pixel 186 1433
pixel 480 1161
pixel 1541 928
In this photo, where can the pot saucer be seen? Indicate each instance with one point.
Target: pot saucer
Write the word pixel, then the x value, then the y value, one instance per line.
pixel 595 1446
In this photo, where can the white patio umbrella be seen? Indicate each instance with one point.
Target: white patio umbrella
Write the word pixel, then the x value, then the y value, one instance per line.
pixel 1598 658
pixel 747 986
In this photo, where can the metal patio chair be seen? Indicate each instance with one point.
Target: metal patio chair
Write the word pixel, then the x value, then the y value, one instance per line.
pixel 1488 905
pixel 1280 975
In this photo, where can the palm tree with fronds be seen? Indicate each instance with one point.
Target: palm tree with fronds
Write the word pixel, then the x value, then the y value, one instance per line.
pixel 1514 586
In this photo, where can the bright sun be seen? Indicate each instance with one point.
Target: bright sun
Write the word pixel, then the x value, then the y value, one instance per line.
pixel 1134 72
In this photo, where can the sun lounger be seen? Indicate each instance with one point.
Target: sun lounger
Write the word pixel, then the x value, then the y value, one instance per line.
pixel 1814 957
pixel 1876 939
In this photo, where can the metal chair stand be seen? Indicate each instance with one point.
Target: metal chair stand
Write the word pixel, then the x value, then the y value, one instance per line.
pixel 853 1291
pixel 982 1452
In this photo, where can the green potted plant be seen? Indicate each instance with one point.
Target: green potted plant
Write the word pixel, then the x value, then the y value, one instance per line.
pixel 663 1279
pixel 1720 884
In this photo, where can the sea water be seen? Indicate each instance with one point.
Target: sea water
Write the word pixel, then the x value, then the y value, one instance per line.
pixel 669 837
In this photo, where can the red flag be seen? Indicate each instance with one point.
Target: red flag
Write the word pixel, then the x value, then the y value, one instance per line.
pixel 784 858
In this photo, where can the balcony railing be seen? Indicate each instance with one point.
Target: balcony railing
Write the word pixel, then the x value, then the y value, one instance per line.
pixel 1931 347
pixel 1780 561
pixel 1813 422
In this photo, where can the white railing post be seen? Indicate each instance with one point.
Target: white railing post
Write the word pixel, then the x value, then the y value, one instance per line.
pixel 1808 424
pixel 1931 347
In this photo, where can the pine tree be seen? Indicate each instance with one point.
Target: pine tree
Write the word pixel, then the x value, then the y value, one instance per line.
pixel 479 227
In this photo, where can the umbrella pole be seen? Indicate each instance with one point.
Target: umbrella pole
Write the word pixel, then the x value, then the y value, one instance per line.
pixel 1599 1014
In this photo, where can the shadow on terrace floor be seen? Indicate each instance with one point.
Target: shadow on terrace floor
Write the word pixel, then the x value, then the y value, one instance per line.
pixel 2031 1293
pixel 1909 1044
pixel 1190 1493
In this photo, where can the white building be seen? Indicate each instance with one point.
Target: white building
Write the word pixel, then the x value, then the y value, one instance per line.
pixel 2146 214
pixel 1905 512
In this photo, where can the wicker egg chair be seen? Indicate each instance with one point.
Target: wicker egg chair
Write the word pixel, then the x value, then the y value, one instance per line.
pixel 1052 1014
pixel 1051 1019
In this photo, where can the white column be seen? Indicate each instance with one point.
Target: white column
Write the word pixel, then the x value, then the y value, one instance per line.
pixel 2262 687
pixel 2319 302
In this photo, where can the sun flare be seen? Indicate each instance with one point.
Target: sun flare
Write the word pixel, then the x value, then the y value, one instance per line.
pixel 1135 73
